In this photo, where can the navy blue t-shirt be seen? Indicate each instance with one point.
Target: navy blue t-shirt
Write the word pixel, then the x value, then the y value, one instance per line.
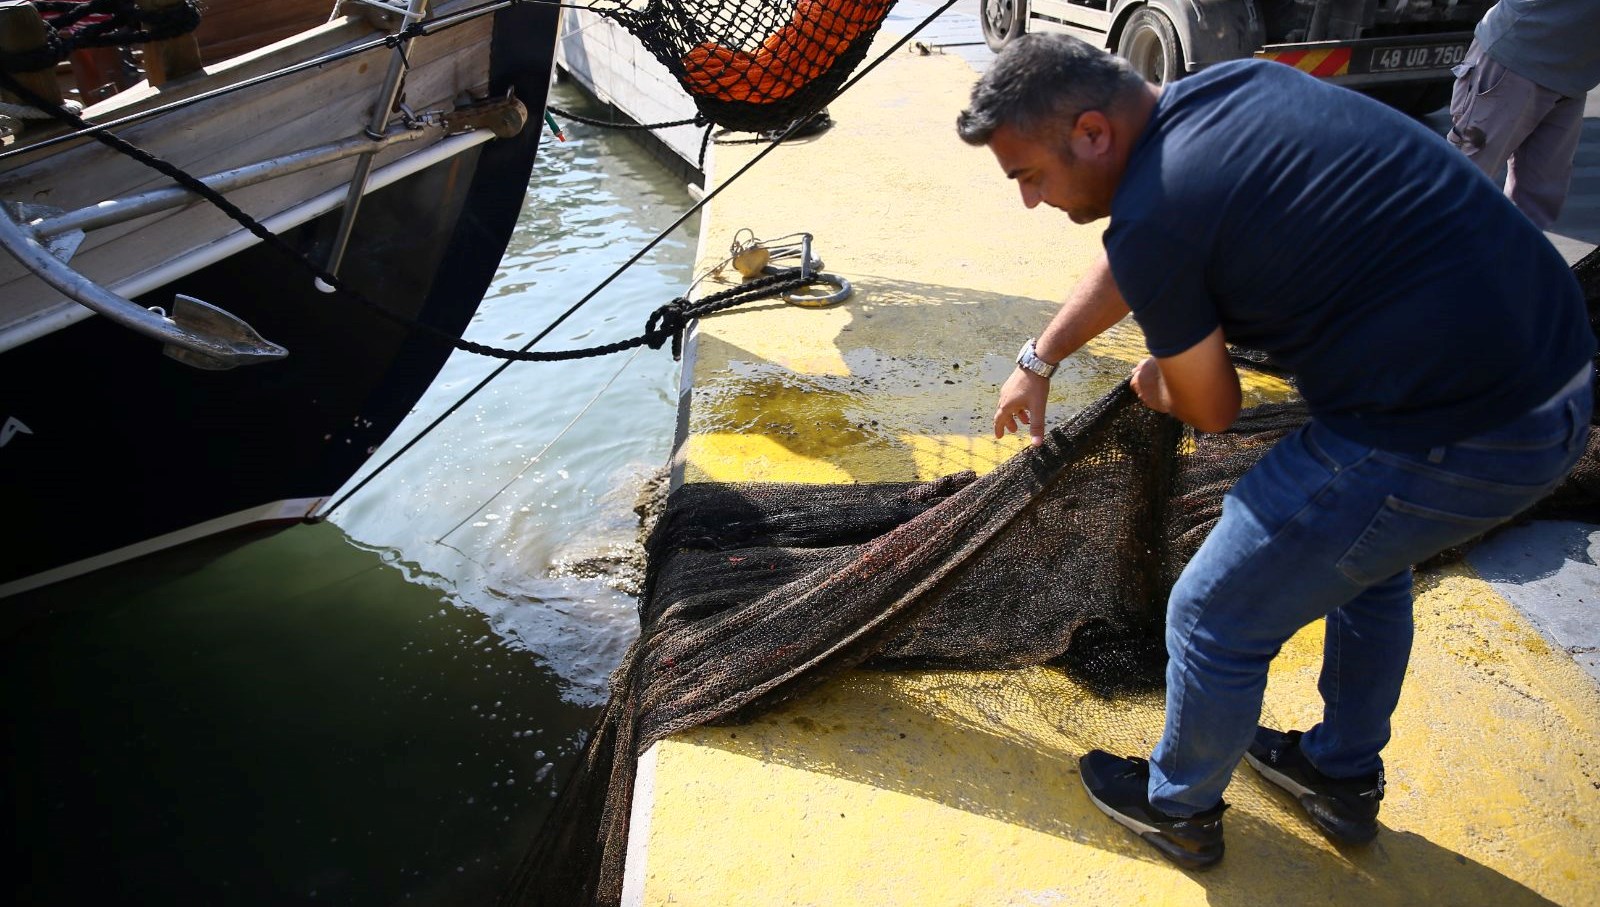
pixel 1414 304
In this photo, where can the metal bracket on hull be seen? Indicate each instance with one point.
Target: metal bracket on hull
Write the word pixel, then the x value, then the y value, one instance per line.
pixel 505 117
pixel 387 96
pixel 197 333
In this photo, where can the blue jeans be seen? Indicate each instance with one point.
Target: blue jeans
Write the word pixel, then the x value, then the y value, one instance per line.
pixel 1326 527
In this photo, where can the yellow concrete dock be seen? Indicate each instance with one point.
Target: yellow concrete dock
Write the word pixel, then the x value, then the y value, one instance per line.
pixel 889 789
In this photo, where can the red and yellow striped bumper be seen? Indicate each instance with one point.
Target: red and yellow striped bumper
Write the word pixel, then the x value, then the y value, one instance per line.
pixel 1325 62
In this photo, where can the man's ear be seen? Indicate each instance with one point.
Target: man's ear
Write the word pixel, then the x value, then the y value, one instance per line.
pixel 1091 135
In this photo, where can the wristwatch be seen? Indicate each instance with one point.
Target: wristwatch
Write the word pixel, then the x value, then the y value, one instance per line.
pixel 1029 359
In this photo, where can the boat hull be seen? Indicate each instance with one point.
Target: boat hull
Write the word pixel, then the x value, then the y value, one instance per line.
pixel 115 449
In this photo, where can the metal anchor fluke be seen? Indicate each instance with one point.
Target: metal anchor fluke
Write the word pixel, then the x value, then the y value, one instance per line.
pixel 198 334
pixel 235 341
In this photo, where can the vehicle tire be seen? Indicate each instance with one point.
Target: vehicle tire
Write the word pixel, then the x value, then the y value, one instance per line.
pixel 1002 21
pixel 1413 99
pixel 1150 44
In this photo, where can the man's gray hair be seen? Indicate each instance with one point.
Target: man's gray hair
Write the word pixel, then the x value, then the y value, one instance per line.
pixel 1038 81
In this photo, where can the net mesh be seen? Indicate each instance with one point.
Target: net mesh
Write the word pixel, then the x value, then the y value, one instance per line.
pixel 1064 555
pixel 755 65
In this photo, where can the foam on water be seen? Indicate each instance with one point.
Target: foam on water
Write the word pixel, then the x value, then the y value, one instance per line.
pixel 543 465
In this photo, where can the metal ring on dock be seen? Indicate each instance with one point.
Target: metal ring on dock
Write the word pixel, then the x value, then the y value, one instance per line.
pixel 841 292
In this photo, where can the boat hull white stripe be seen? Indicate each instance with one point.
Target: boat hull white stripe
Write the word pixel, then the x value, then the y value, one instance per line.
pixel 275 512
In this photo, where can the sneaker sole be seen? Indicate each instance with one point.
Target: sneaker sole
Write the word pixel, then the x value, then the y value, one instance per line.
pixel 1342 832
pixel 1187 859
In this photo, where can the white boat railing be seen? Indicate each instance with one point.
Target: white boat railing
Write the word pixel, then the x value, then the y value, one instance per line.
pixel 67 313
pixel 115 211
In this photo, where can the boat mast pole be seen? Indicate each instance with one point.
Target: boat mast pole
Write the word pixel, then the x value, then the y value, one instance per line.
pixel 376 128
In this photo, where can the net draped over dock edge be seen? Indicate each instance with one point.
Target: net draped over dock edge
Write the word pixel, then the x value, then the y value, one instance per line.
pixel 1064 555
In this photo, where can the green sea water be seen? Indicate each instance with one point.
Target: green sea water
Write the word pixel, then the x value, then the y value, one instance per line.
pixel 378 709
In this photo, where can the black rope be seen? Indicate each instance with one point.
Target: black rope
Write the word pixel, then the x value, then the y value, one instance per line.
pixel 698 119
pixel 681 220
pixel 665 324
pixel 655 324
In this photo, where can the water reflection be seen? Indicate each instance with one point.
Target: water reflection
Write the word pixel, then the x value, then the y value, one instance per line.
pixel 379 709
pixel 543 465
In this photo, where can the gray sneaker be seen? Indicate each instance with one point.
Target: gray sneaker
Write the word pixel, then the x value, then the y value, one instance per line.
pixel 1345 809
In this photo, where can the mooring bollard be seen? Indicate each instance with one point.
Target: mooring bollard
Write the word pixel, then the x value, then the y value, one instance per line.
pixel 169 58
pixel 22 31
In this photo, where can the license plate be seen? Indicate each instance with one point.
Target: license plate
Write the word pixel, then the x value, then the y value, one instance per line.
pixel 1418 56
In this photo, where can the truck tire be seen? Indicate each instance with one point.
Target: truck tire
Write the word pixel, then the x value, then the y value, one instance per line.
pixel 1002 21
pixel 1150 43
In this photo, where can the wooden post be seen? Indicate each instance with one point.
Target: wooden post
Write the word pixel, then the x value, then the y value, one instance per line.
pixel 23 30
pixel 172 58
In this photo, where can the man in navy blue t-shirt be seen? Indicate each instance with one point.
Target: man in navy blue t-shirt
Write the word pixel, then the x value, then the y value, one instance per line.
pixel 1439 341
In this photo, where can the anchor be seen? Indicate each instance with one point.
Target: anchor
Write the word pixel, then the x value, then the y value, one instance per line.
pixel 197 333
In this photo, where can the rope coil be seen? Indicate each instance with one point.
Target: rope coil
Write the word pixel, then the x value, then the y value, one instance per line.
pixel 667 323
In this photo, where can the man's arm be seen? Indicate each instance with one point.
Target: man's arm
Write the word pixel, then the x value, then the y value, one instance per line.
pixel 1094 305
pixel 1199 385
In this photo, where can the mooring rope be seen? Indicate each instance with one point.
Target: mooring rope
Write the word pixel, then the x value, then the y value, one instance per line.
pixel 698 119
pixel 667 316
pixel 664 324
pixel 680 221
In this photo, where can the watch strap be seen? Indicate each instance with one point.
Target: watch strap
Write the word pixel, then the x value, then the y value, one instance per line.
pixel 1029 359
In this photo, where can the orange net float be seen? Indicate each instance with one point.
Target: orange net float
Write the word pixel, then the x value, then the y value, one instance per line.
pixel 794 55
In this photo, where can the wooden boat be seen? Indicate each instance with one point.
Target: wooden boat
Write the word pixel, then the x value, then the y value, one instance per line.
pixel 110 449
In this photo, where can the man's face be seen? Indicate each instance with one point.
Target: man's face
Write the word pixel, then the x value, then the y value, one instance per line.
pixel 1069 174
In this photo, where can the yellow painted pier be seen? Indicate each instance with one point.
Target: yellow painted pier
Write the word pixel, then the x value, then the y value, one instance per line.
pixel 887 789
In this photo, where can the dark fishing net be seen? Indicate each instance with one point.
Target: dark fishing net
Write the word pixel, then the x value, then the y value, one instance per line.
pixel 755 65
pixel 1578 498
pixel 1064 555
